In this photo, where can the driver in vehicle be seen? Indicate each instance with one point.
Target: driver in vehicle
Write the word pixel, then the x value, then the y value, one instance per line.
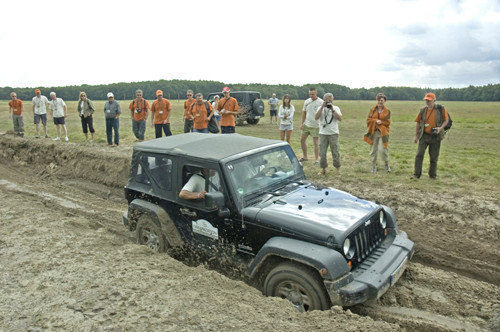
pixel 195 187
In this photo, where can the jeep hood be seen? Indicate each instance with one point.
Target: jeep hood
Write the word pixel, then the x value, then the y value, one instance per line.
pixel 312 212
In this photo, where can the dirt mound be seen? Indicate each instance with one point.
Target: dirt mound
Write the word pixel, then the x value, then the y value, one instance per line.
pixel 68 263
pixel 108 166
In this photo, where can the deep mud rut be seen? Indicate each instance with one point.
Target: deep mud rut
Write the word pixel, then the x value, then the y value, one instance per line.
pixel 67 263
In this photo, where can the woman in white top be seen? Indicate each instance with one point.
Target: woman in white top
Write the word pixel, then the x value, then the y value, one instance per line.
pixel 215 103
pixel 285 114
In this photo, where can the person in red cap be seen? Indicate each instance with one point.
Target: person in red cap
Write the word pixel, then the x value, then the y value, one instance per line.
pixel 228 108
pixel 160 115
pixel 429 132
pixel 40 112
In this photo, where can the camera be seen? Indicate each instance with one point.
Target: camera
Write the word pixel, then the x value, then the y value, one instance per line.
pixel 329 104
pixel 435 131
pixel 138 110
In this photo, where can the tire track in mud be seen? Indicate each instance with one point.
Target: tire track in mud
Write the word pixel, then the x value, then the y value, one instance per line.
pixel 427 297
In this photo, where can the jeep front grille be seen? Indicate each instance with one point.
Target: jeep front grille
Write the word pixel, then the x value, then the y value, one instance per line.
pixel 366 238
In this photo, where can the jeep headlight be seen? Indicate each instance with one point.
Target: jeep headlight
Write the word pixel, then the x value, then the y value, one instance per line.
pixel 383 222
pixel 348 249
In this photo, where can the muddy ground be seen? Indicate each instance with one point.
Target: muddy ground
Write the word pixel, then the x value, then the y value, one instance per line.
pixel 67 263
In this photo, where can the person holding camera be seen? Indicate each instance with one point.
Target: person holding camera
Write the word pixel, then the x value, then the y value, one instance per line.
pixel 378 126
pixel 329 117
pixel 429 132
pixel 139 108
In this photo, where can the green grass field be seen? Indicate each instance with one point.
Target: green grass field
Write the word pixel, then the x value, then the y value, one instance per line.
pixel 469 159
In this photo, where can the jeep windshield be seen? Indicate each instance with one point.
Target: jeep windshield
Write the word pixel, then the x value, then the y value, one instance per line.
pixel 263 172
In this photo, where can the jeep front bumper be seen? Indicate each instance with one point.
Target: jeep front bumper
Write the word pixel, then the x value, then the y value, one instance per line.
pixel 372 278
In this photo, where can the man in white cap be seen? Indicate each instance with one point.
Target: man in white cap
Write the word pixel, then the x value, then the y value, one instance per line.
pixel 58 112
pixel 112 112
pixel 228 108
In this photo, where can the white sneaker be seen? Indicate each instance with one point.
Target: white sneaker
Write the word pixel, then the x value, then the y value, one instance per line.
pixel 66 138
pixel 56 139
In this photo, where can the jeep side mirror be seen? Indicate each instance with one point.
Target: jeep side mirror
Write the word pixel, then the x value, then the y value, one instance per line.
pixel 214 200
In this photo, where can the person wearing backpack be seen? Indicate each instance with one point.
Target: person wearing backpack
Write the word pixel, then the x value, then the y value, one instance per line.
pixel 200 113
pixel 430 129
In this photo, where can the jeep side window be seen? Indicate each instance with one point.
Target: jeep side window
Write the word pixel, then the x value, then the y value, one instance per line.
pixel 160 169
pixel 141 176
pixel 239 97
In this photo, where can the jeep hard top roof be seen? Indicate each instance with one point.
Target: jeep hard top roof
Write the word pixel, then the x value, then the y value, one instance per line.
pixel 205 146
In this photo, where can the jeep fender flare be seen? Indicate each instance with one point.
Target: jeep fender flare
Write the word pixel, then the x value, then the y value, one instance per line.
pixel 161 218
pixel 310 254
pixel 390 217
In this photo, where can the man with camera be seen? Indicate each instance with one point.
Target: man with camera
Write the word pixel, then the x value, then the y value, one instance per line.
pixel 329 116
pixel 429 132
pixel 139 108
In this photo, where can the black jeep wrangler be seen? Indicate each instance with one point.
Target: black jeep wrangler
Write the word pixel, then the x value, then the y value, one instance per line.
pixel 313 245
pixel 250 103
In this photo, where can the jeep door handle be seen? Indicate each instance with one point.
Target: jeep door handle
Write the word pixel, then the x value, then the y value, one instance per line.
pixel 188 212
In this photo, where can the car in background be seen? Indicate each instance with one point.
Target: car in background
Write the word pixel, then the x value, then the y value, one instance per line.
pixel 250 103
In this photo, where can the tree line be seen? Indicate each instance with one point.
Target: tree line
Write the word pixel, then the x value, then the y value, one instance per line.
pixel 176 89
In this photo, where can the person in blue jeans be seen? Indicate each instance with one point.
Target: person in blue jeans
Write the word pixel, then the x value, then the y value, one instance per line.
pixel 112 113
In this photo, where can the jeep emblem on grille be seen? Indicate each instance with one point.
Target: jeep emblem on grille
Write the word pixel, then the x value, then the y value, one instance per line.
pixel 367 223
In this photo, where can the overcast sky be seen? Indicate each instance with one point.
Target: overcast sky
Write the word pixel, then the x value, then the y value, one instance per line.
pixel 427 43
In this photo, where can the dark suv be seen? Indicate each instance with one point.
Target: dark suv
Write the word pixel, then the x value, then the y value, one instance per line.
pixel 250 103
pixel 314 245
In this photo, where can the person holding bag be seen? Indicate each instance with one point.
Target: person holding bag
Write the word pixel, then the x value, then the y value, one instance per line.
pixel 85 111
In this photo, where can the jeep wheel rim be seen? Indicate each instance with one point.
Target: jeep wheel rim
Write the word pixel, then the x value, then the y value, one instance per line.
pixel 151 239
pixel 296 294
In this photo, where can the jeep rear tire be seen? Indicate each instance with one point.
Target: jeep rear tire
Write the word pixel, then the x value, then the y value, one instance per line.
pixel 150 235
pixel 298 284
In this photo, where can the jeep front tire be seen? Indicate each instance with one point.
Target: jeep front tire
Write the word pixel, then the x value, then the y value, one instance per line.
pixel 150 235
pixel 299 285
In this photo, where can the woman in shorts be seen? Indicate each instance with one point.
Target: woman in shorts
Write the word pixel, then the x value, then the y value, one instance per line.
pixel 285 114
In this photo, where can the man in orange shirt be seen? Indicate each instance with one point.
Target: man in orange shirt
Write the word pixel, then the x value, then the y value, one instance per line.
pixel 188 122
pixel 160 115
pixel 139 108
pixel 16 109
pixel 228 108
pixel 199 114
pixel 429 132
